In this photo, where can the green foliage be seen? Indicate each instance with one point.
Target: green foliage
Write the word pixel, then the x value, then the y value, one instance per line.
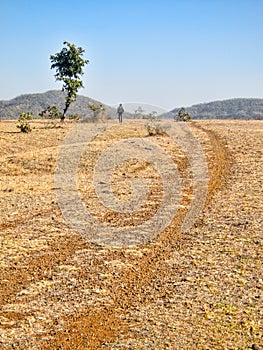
pixel 98 111
pixel 69 64
pixel 95 106
pixel 183 116
pixel 51 112
pixel 23 122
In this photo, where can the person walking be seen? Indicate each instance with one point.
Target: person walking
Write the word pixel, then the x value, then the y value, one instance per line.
pixel 120 111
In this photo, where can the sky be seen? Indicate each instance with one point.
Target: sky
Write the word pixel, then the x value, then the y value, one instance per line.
pixel 166 53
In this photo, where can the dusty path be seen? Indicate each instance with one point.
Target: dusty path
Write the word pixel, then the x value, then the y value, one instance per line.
pixel 201 290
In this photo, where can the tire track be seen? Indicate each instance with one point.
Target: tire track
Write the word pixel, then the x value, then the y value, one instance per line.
pixel 93 327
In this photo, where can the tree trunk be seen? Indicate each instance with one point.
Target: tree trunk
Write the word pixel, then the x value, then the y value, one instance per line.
pixel 64 112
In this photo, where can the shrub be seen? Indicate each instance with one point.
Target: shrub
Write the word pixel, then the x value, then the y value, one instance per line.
pixel 183 116
pixel 51 112
pixel 23 121
pixel 98 112
pixel 155 129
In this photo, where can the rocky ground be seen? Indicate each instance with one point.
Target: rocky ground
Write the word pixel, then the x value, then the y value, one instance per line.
pixel 201 289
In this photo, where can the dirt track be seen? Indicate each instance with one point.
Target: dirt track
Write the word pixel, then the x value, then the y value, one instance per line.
pixel 200 290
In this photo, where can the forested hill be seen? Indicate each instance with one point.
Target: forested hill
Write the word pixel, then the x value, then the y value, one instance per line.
pixel 237 108
pixel 36 103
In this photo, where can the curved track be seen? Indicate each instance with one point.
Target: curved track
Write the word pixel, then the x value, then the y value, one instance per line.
pixel 66 293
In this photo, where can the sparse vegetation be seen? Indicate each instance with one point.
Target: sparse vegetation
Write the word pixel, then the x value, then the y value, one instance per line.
pixel 150 116
pixel 51 112
pixel 23 122
pixel 155 129
pixel 199 290
pixel 138 113
pixel 98 112
pixel 183 116
pixel 52 115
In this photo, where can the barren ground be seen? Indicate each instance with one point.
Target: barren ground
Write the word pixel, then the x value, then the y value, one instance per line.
pixel 198 290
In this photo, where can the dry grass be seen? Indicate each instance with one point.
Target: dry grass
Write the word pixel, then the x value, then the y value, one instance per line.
pixel 200 290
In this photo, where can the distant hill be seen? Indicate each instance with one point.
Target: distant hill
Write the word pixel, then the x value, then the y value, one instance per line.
pixel 237 108
pixel 36 103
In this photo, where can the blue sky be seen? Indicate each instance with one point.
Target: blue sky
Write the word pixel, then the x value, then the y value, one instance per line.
pixel 165 53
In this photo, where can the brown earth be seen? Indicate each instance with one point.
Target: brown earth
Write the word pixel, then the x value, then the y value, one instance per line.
pixel 202 289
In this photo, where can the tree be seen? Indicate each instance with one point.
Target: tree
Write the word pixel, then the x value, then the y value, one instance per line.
pixel 69 64
pixel 151 115
pixel 138 112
